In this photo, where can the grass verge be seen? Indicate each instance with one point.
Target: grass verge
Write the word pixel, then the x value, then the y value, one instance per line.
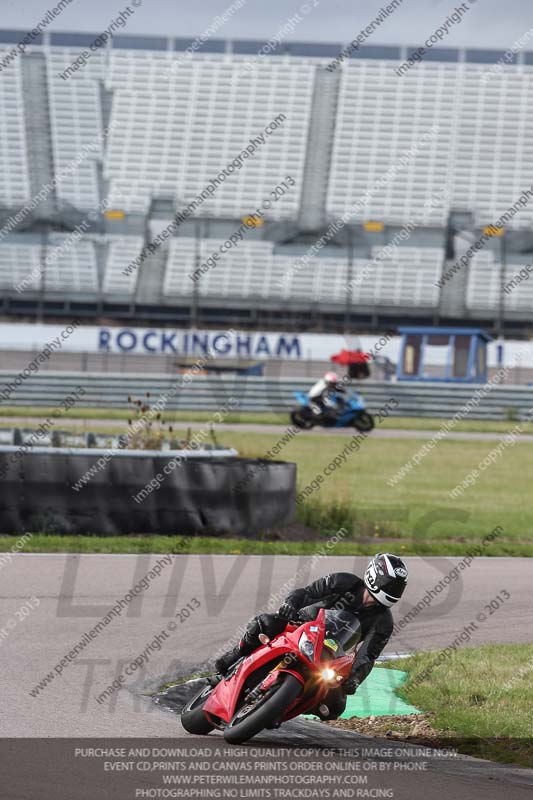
pixel 480 699
pixel 414 516
pixel 50 543
pixel 123 414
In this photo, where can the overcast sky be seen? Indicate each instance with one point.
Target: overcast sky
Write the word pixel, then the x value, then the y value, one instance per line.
pixel 490 23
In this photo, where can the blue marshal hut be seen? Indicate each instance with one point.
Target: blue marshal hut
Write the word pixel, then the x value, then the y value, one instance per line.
pixel 457 355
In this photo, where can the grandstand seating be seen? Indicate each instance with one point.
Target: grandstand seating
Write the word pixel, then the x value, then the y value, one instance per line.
pixel 520 296
pixel 76 131
pixel 481 151
pixel 255 270
pixel 493 152
pixel 406 278
pixel 20 262
pixel 122 250
pixel 14 183
pixel 484 288
pixel 70 266
pixel 380 116
pixel 176 123
pixel 174 134
pixel 176 127
pixel 484 281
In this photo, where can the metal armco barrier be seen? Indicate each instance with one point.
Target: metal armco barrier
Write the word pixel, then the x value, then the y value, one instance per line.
pixel 203 495
pixel 210 393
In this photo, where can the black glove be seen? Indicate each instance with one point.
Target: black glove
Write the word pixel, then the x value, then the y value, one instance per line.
pixel 350 686
pixel 288 611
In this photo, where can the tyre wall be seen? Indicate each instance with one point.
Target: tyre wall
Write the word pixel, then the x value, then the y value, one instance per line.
pixel 203 495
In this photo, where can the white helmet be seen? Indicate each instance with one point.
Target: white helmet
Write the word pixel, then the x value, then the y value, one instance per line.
pixel 386 578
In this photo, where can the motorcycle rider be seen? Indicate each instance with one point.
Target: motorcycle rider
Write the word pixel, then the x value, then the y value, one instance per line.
pixel 371 598
pixel 326 396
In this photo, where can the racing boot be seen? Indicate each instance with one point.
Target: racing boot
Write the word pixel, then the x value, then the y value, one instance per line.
pixel 224 663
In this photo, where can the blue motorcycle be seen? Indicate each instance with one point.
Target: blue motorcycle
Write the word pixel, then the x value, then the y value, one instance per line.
pixel 344 411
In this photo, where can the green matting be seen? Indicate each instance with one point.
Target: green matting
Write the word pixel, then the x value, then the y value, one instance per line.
pixel 376 697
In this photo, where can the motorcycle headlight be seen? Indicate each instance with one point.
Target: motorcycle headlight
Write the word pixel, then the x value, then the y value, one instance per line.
pixel 328 674
pixel 306 647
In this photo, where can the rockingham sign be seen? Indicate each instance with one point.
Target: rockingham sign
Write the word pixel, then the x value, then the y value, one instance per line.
pixel 182 342
pixel 247 345
pixel 195 343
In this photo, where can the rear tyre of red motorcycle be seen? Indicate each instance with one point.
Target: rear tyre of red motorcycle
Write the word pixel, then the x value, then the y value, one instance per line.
pixel 193 718
pixel 250 720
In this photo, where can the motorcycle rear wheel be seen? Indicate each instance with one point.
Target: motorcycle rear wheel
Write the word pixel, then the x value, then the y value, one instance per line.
pixel 363 421
pixel 193 718
pixel 264 713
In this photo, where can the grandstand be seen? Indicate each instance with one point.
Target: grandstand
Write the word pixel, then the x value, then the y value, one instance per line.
pixel 130 139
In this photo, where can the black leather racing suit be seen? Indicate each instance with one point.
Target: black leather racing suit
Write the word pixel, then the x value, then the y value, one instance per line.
pixel 346 590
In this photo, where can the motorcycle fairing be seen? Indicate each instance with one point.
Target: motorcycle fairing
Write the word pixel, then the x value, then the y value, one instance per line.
pixel 353 404
pixel 222 703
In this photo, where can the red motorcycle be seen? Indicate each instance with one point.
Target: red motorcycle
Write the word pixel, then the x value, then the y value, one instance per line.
pixel 286 676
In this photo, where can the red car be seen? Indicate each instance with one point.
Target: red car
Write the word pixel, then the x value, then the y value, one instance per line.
pixel 285 677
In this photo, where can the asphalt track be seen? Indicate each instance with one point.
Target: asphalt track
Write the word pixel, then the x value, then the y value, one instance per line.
pixel 279 430
pixel 378 433
pixel 76 591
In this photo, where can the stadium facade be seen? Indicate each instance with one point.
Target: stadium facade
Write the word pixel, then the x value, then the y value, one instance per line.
pixel 154 180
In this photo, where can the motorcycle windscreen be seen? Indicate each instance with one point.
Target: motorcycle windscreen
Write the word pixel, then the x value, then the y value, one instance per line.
pixel 344 629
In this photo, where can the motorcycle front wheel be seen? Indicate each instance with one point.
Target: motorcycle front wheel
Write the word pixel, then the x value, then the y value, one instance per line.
pixel 300 420
pixel 264 712
pixel 193 718
pixel 363 421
